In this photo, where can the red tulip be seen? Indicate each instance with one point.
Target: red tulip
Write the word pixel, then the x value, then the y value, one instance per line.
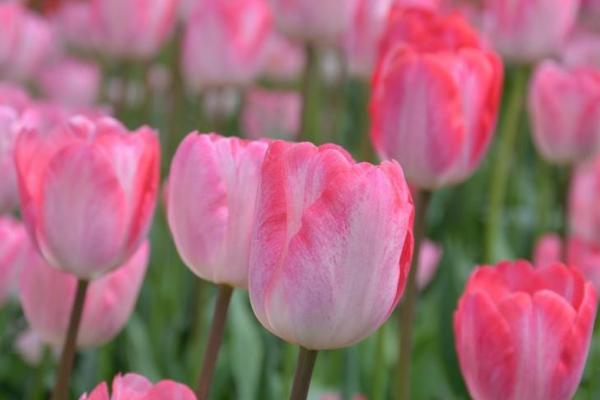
pixel 88 191
pixel 136 387
pixel 331 247
pixel 524 333
pixel 271 114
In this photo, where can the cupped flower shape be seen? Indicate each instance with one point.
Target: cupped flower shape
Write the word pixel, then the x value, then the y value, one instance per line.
pixel 525 31
pixel 132 28
pixel 47 298
pixel 211 197
pixel 331 246
pixel 13 239
pixel 272 114
pixel 88 191
pixel 435 98
pixel 524 333
pixel 225 42
pixel 564 104
pixel 136 387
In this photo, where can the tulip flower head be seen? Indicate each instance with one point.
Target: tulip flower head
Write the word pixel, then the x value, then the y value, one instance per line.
pixel 136 387
pixel 272 114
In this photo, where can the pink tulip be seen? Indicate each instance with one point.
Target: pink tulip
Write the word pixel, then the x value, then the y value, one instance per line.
pixel 284 59
pixel 435 98
pixel 47 298
pixel 76 25
pixel 548 250
pixel 582 49
pixel 9 196
pixel 136 387
pixel 211 197
pixel 585 256
pixel 584 213
pixel 331 247
pixel 71 82
pixel 30 347
pixel 13 239
pixel 430 254
pixel 525 31
pixel 524 333
pixel 88 191
pixel 590 13
pixel 564 105
pixel 133 28
pixel 271 114
pixel 13 96
pixel 225 42
pixel 311 20
pixel 26 41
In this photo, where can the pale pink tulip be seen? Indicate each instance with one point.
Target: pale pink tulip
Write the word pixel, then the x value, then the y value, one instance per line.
pixel 564 105
pixel 211 197
pixel 47 298
pixel 524 333
pixel 136 387
pixel 30 347
pixel 9 196
pixel 13 96
pixel 75 24
pixel 584 213
pixel 331 247
pixel 284 58
pixel 548 250
pixel 430 254
pixel 88 191
pixel 225 42
pixel 582 49
pixel 13 240
pixel 71 82
pixel 271 114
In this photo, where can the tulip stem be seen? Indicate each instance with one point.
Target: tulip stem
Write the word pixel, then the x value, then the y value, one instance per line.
pixel 503 161
pixel 378 376
pixel 304 369
pixel 61 389
pixel 421 199
pixel 214 341
pixel 310 95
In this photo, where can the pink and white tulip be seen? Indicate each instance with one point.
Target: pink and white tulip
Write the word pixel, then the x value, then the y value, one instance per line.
pixel 88 191
pixel 211 198
pixel 326 229
pixel 136 387
pixel 47 298
pixel 271 114
pixel 524 333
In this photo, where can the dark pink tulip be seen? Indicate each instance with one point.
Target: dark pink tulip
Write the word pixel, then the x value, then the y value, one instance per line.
pixel 524 333
pixel 71 82
pixel 13 239
pixel 331 247
pixel 271 114
pixel 47 298
pixel 225 42
pixel 88 190
pixel 211 198
pixel 564 105
pixel 136 387
pixel 584 213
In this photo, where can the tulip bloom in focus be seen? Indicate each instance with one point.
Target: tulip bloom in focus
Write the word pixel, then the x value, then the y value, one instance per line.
pixel 13 239
pixel 271 114
pixel 47 298
pixel 524 333
pixel 564 105
pixel 211 197
pixel 326 229
pixel 136 387
pixel 88 191
pixel 435 97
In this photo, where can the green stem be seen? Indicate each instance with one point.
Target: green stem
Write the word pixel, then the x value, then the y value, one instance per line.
pixel 61 389
pixel 379 368
pixel 304 369
pixel 214 341
pixel 351 374
pixel 309 128
pixel 421 199
pixel 503 161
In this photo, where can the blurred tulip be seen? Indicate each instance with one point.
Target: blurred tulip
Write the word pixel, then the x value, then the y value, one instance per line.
pixel 526 31
pixel 271 114
pixel 564 105
pixel 435 98
pixel 584 213
pixel 211 196
pixel 582 49
pixel 26 41
pixel 284 59
pixel 136 387
pixel 312 20
pixel 547 251
pixel 30 347
pixel 326 229
pixel 88 191
pixel 13 96
pixel 133 28
pixel 9 196
pixel 524 333
pixel 47 298
pixel 13 239
pixel 71 82
pixel 76 26
pixel 585 256
pixel 430 254
pixel 590 13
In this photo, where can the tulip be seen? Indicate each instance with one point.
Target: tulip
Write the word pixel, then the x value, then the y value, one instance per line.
pixel 524 333
pixel 133 387
pixel 71 82
pixel 13 96
pixel 565 108
pixel 225 42
pixel 526 31
pixel 423 113
pixel 12 243
pixel 9 197
pixel 430 254
pixel 585 256
pixel 584 193
pixel 326 229
pixel 88 190
pixel 76 25
pixel 271 114
pixel 590 13
pixel 133 28
pixel 548 250
pixel 30 347
pixel 47 298
pixel 284 59
pixel 582 49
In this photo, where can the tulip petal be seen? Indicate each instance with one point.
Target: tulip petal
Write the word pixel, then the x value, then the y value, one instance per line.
pixel 169 390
